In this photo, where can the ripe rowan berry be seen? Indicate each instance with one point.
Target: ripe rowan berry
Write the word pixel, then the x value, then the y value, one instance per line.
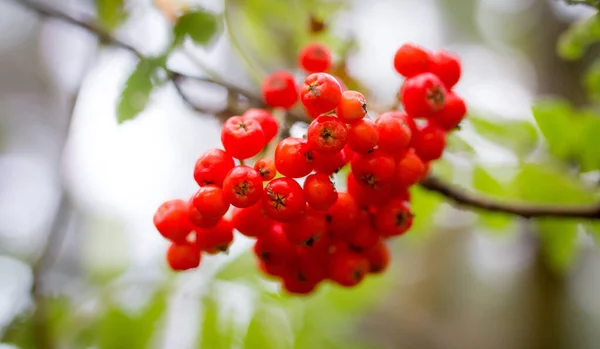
pixel 374 169
pixel 212 167
pixel 411 60
pixel 171 220
pixel 452 114
pixel 197 218
pixel 314 58
pixel 305 267
pixel 283 199
pixel 393 218
pixel 293 285
pixel 378 257
pixel 268 123
pixel 279 90
pixel 242 137
pixel 320 93
pixel 293 158
pixel 274 270
pixel 409 170
pixel 352 107
pixel 243 186
pixel 183 256
pixel 348 268
pixel 430 142
pixel 363 238
pixel 216 239
pixel 363 136
pixel 366 195
pixel 423 95
pixel 273 247
pixel 329 163
pixel 319 191
pixel 251 221
pixel 210 201
pixel 327 134
pixel 394 132
pixel 343 216
pixel 447 67
pixel 306 230
pixel 265 168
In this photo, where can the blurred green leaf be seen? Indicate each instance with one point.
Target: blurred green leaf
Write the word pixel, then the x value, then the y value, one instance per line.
pixel 111 13
pixel 137 90
pixel 555 120
pixel 588 154
pixel 485 183
pixel 268 329
pixel 517 135
pixel 591 82
pixel 573 43
pixel 558 239
pixel 21 333
pixel 456 144
pixel 213 334
pixel 423 204
pixel 201 26
pixel 243 267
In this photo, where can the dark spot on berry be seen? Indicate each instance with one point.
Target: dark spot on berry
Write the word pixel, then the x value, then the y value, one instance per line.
pixel 357 275
pixel 328 218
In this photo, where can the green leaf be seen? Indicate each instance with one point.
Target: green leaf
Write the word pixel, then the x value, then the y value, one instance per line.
pixel 558 239
pixel 268 329
pixel 215 332
pixel 555 121
pixel 588 153
pixel 136 94
pixel 201 26
pixel 485 183
pixel 111 13
pixel 574 42
pixel 591 82
pixel 517 135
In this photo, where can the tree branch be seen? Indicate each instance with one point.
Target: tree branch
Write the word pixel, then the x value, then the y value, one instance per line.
pixel 456 195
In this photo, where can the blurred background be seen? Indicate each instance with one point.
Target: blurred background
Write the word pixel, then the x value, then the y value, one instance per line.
pixel 81 265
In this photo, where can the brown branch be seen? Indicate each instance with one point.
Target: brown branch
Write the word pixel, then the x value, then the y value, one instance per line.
pixel 461 197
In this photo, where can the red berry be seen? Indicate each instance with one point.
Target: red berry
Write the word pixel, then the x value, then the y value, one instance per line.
pixel 374 169
pixel 265 168
pixel 378 257
pixel 243 186
pixel 183 256
pixel 251 221
pixel 319 191
pixel 447 67
pixel 352 107
pixel 197 218
pixel 394 218
pixel 430 142
pixel 273 247
pixel 273 269
pixel 327 134
pixel 293 158
pixel 364 237
pixel 409 170
pixel 314 58
pixel 394 132
pixel 171 220
pixel 216 239
pixel 306 230
pixel 279 90
pixel 423 95
pixel 210 201
pixel 343 216
pixel 267 122
pixel 212 167
pixel 347 268
pixel 242 137
pixel 365 195
pixel 452 114
pixel 306 267
pixel 411 60
pixel 363 136
pixel 283 199
pixel 293 285
pixel 320 93
pixel 329 163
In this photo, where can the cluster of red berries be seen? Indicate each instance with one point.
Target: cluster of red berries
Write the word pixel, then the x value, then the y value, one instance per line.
pixel 312 232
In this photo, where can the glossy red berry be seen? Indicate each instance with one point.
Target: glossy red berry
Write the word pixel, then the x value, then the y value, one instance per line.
pixel 363 136
pixel 363 238
pixel 411 60
pixel 378 257
pixel 327 134
pixel 210 201
pixel 197 218
pixel 423 95
pixel 306 230
pixel 447 67
pixel 242 137
pixel 352 107
pixel 293 285
pixel 343 216
pixel 307 267
pixel 268 123
pixel 293 158
pixel 347 268
pixel 314 58
pixel 183 256
pixel 452 114
pixel 216 239
pixel 409 170
pixel 283 199
pixel 329 163
pixel 212 167
pixel 273 247
pixel 394 132
pixel 265 168
pixel 279 90
pixel 430 142
pixel 171 220
pixel 319 191
pixel 251 221
pixel 394 218
pixel 320 93
pixel 243 186
pixel 374 169
pixel 366 195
